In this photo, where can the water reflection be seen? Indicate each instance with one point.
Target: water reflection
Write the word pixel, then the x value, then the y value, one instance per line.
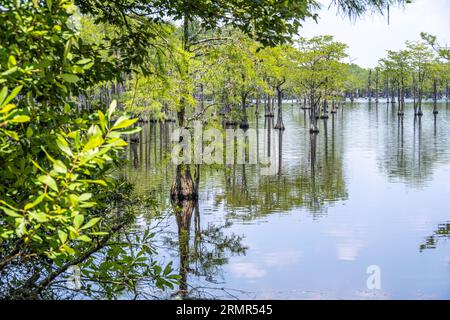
pixel 412 156
pixel 203 253
pixel 442 233
pixel 368 188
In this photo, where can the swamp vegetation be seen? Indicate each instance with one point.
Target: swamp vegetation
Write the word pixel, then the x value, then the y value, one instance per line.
pixel 92 205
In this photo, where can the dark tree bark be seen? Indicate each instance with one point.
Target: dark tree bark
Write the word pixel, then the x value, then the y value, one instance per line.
pixel 324 114
pixel 244 123
pixel 435 111
pixel 269 112
pixel 280 125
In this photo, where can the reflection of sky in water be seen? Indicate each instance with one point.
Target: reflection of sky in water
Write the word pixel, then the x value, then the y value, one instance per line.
pixel 384 198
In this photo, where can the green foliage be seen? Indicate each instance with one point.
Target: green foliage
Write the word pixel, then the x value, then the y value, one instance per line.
pixel 322 73
pixel 57 160
pixel 51 217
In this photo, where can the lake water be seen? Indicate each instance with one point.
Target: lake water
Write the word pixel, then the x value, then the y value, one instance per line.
pixel 369 192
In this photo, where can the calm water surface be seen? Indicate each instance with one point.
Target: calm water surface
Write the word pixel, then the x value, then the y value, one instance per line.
pixel 368 190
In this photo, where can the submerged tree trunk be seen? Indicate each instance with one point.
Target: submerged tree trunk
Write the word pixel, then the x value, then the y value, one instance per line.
pixel 419 111
pixel 244 123
pixel 266 104
pixel 393 94
pixel 333 106
pixel 415 95
pixel 269 112
pixel 279 125
pixel 435 111
pixel 400 100
pixel 313 114
pixel 272 107
pixel 258 101
pixel 324 114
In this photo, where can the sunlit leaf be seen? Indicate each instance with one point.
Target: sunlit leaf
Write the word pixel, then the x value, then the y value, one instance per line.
pixel 49 181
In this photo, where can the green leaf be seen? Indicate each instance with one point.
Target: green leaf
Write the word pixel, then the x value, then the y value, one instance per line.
pixel 67 249
pixel 131 130
pixel 11 61
pixel 3 95
pixel 22 227
pixel 8 108
pixel 91 223
pixel 10 212
pixel 85 197
pixel 38 166
pixel 35 202
pixel 123 122
pixel 83 61
pixel 39 216
pixel 63 145
pixel 9 71
pixel 84 238
pixel 59 167
pixel 11 96
pixel 48 155
pixel 88 204
pixel 68 77
pixel 20 119
pixel 100 182
pixel 29 133
pixel 49 181
pixel 12 134
pixel 62 236
pixel 102 120
pixel 94 131
pixel 93 143
pixel 78 221
pixel 112 108
pixel 99 233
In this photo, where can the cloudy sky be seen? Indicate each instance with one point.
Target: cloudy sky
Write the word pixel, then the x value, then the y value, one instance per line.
pixel 369 37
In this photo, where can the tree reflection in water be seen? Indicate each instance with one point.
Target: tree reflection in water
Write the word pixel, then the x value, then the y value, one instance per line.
pixel 203 253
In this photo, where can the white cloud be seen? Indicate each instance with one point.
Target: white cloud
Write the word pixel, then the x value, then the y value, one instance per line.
pixel 369 37
pixel 348 242
pixel 247 270
pixel 281 258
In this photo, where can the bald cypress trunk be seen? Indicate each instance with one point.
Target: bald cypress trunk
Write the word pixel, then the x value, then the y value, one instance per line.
pixel 435 111
pixel 244 123
pixel 313 113
pixel 400 99
pixel 419 112
pixel 280 125
pixel 269 112
pixel 183 187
